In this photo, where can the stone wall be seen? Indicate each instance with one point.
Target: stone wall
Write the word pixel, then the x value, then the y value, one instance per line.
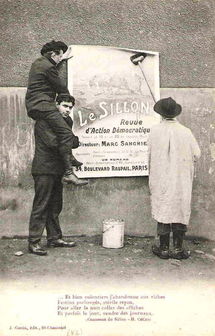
pixel 182 31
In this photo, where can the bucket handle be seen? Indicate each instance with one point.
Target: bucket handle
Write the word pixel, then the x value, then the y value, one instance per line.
pixel 110 227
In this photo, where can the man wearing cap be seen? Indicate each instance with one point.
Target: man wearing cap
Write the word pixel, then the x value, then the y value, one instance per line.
pixel 43 85
pixel 172 153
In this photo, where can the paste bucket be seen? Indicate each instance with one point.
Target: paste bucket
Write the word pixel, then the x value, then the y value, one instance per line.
pixel 113 233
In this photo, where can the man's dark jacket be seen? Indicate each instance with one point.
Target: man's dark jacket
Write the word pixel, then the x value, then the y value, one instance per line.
pixel 47 159
pixel 43 85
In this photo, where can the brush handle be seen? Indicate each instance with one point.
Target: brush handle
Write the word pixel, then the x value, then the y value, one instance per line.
pixel 147 82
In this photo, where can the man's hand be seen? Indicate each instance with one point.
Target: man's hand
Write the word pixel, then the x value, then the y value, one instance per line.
pixel 68 54
pixel 76 143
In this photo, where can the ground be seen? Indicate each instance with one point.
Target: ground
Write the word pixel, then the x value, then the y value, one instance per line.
pixel 88 261
pixel 36 291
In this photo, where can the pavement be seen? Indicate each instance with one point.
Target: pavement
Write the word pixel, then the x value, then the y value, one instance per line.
pixel 63 293
pixel 88 260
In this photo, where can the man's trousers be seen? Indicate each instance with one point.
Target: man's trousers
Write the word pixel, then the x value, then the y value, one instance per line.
pixel 59 126
pixel 47 205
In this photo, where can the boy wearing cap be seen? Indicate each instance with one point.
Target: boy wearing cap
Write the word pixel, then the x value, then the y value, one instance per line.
pixel 172 153
pixel 43 85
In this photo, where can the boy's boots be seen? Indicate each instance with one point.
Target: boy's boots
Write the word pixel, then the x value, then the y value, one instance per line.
pixel 163 250
pixel 178 251
pixel 69 175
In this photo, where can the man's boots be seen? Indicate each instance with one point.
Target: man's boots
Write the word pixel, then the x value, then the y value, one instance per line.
pixel 178 251
pixel 163 250
pixel 69 175
pixel 74 161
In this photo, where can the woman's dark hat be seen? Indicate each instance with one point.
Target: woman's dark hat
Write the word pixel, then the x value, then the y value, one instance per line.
pixel 167 107
pixel 53 45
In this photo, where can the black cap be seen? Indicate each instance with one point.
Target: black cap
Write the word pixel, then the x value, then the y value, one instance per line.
pixel 54 45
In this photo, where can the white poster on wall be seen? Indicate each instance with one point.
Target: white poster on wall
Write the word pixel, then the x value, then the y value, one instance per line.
pixel 115 91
